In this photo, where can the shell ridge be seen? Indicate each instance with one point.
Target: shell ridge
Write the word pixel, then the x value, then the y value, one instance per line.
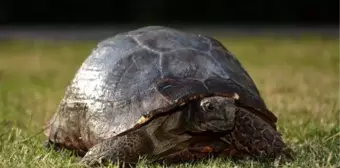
pixel 161 57
pixel 143 45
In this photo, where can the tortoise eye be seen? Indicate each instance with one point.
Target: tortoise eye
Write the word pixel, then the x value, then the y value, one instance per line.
pixel 208 106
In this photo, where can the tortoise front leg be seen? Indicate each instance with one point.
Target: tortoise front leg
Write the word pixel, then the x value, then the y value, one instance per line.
pixel 256 138
pixel 123 149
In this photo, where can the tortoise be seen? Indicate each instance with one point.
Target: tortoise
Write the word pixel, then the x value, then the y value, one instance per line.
pixel 166 95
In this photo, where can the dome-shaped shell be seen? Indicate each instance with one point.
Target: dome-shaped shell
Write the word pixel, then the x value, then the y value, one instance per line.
pixel 119 82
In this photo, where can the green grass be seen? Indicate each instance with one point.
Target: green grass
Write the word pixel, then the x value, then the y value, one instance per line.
pixel 298 78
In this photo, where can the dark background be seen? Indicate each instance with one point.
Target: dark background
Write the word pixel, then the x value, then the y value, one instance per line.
pixel 95 12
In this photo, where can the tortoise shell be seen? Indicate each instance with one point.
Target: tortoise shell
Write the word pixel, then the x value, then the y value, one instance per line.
pixel 143 72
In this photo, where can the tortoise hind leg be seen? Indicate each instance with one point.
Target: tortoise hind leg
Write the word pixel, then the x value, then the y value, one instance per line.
pixel 124 149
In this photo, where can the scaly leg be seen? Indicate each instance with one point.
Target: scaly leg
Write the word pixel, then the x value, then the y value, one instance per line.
pixel 123 149
pixel 255 137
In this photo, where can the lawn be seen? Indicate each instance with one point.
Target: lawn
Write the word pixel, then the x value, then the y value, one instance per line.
pixel 297 77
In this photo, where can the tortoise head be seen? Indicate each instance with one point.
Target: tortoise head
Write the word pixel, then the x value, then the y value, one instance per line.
pixel 215 113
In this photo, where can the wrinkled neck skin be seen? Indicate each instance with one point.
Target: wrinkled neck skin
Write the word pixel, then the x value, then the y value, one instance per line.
pixel 167 134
